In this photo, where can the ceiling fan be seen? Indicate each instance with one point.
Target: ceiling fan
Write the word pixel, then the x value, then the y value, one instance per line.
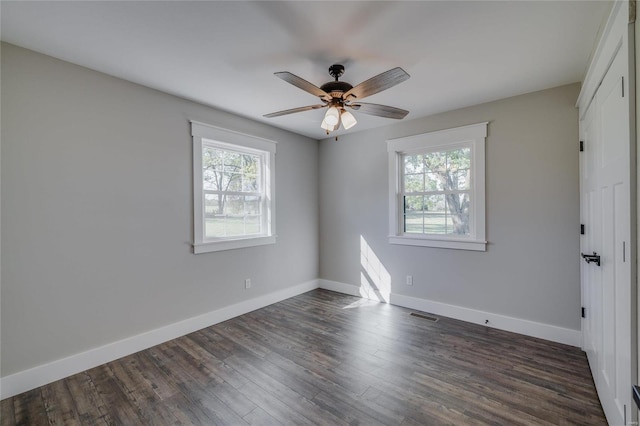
pixel 339 96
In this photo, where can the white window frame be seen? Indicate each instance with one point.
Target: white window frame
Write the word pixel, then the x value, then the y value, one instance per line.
pixel 201 133
pixel 472 136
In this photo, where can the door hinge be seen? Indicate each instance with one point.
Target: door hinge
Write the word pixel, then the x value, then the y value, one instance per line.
pixel 584 312
pixel 581 229
pixel 581 146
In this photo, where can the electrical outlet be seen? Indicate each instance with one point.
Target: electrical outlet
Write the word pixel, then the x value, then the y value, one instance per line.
pixel 247 283
pixel 409 280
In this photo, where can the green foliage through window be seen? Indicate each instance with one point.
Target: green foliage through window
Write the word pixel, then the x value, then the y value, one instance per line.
pixel 436 190
pixel 233 192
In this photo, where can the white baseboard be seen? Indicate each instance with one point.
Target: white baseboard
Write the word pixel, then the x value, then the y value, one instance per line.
pixel 43 374
pixel 502 322
pixel 339 287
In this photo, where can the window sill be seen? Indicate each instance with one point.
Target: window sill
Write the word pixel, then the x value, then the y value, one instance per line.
pixel 448 243
pixel 221 245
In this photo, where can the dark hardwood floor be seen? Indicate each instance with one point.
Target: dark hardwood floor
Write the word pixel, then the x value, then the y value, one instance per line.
pixel 330 359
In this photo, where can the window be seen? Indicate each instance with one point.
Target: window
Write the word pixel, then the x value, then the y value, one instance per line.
pixel 233 189
pixel 436 189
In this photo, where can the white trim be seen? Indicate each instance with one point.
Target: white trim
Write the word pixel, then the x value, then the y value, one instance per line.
pixel 227 136
pixel 236 243
pixel 43 374
pixel 439 137
pixel 609 43
pixel 473 136
pixel 450 243
pixel 540 330
pixel 502 322
pixel 216 136
pixel 339 287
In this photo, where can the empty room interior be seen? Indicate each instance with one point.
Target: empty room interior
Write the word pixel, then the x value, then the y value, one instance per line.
pixel 318 212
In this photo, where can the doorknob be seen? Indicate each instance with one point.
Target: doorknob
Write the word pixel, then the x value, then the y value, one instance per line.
pixel 589 258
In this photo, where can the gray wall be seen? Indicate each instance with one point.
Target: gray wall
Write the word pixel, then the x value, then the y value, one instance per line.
pixel 97 212
pixel 531 267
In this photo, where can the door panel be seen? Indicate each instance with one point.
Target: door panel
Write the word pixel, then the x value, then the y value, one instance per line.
pixel 605 182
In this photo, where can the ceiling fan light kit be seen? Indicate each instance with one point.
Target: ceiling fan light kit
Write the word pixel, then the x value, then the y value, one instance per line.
pixel 337 96
pixel 348 120
pixel 332 116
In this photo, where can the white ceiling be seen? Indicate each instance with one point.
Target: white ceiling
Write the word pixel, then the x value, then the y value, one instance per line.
pixel 224 54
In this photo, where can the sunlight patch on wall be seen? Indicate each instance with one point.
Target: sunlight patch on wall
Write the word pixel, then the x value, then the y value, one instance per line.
pixel 375 281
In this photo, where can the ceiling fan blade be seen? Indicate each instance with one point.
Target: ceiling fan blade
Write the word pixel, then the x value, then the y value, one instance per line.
pixel 294 110
pixel 303 84
pixel 378 83
pixel 379 110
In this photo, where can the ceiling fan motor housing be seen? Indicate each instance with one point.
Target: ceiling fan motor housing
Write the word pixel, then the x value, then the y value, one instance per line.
pixel 336 88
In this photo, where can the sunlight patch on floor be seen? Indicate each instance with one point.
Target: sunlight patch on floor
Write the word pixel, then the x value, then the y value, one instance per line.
pixel 362 303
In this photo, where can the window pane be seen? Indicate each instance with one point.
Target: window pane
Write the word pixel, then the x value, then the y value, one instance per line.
pixel 234 205
pixel 435 215
pixel 413 223
pixel 234 225
pixel 413 216
pixel 414 182
pixel 458 214
pixel 252 205
pixel 413 203
pixel 413 164
pixel 251 164
pixel 458 167
pixel 214 226
pixel 436 162
pixel 212 166
pixel 434 181
pixel 252 224
pixel 232 162
pixel 232 215
pixel 213 204
pixel 460 179
pixel 250 183
pixel 232 182
pixel 212 158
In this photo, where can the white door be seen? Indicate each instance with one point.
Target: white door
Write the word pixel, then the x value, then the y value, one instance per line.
pixel 606 213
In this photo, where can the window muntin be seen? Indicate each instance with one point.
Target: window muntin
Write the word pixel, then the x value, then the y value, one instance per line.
pixel 234 197
pixel 436 189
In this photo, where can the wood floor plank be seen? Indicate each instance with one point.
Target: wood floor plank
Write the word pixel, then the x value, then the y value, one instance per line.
pixel 329 359
pixel 213 383
pixel 89 403
pixel 191 346
pixel 169 358
pixel 29 410
pixel 279 386
pixel 115 400
pixel 7 416
pixel 147 403
pixel 272 405
pixel 259 417
pixel 59 405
